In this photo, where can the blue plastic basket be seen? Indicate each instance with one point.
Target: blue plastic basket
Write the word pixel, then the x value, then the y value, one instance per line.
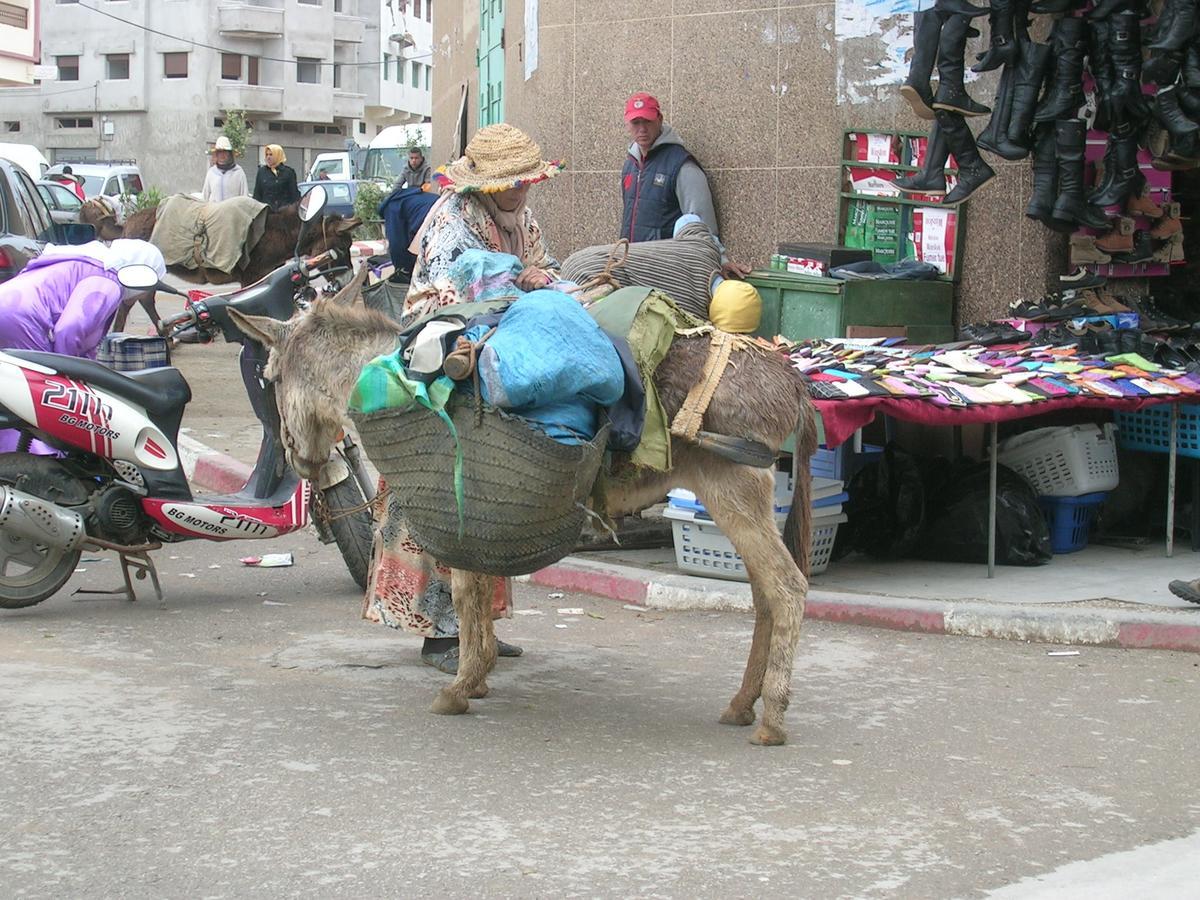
pixel 1070 520
pixel 842 463
pixel 1150 430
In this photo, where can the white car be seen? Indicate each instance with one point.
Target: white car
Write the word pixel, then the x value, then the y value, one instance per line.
pixel 105 179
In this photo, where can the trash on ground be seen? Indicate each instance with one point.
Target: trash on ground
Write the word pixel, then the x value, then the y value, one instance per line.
pixel 557 595
pixel 1062 653
pixel 214 566
pixel 79 571
pixel 634 607
pixel 187 574
pixel 528 612
pixel 592 615
pixel 268 560
pixel 274 603
pixel 91 559
pixel 560 625
pixel 571 611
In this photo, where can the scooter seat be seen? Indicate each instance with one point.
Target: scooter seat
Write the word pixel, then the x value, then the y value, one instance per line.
pixel 160 391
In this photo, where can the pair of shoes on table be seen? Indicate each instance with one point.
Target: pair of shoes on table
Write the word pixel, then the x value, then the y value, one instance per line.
pixel 1151 318
pixel 1053 307
pixel 447 660
pixel 991 333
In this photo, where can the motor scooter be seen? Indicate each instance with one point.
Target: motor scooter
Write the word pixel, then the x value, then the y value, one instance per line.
pixel 119 484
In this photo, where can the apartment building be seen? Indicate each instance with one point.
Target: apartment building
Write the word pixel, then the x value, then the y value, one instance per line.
pixel 402 93
pixel 19 44
pixel 152 80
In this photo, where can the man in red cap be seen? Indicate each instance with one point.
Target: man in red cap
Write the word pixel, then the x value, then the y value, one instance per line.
pixel 661 180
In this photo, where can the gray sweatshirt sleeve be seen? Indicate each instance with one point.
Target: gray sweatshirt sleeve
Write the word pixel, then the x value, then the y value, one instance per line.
pixel 694 196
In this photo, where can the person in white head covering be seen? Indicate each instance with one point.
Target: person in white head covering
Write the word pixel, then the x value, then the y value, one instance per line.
pixel 225 178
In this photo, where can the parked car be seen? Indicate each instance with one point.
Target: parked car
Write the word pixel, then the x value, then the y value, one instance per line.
pixel 341 195
pixel 105 179
pixel 27 156
pixel 26 225
pixel 61 201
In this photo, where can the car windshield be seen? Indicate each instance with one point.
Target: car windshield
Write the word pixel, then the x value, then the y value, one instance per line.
pixel 385 162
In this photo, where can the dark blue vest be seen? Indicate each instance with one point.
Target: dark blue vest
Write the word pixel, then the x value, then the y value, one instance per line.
pixel 651 206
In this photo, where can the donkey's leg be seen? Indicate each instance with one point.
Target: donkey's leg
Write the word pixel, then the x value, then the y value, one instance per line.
pixel 740 500
pixel 741 708
pixel 472 602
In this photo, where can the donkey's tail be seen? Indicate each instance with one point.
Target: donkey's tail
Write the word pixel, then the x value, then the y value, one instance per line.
pixel 797 530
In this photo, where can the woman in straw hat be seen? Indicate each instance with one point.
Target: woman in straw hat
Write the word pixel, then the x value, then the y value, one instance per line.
pixel 483 206
pixel 225 178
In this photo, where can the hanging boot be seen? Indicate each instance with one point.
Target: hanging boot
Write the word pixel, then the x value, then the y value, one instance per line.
pixel 1003 48
pixel 1104 76
pixel 1125 45
pixel 994 137
pixel 1027 82
pixel 931 179
pixel 959 8
pixel 973 172
pixel 1065 96
pixel 1176 26
pixel 1107 8
pixel 1191 66
pixel 951 96
pixel 1070 208
pixel 1126 178
pixel 1045 177
pixel 1183 131
pixel 927 28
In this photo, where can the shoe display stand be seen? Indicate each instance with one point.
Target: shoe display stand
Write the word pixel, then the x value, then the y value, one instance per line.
pixel 875 215
pixel 1158 190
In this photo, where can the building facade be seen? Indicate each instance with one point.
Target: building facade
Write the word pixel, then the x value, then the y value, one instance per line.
pixel 760 92
pixel 19 45
pixel 151 80
pixel 403 43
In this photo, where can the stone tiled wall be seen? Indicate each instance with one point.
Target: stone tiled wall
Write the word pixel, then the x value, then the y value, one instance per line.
pixel 752 88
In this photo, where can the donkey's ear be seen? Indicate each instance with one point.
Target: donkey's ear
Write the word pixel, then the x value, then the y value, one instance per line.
pixel 267 331
pixel 352 291
pixel 348 224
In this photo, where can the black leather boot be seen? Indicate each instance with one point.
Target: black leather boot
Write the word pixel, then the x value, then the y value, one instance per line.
pixel 1125 45
pixel 960 8
pixel 1103 74
pixel 1045 177
pixel 1176 26
pixel 1027 83
pixel 1191 66
pixel 1003 46
pixel 1070 138
pixel 973 172
pixel 1107 169
pixel 951 96
pixel 931 179
pixel 1127 178
pixel 927 29
pixel 1189 102
pixel 1106 8
pixel 994 137
pixel 1065 96
pixel 1162 68
pixel 1183 131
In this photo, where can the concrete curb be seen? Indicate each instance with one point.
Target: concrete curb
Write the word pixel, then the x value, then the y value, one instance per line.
pixel 1074 624
pixel 210 469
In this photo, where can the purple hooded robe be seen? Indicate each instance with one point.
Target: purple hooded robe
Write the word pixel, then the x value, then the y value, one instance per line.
pixel 60 304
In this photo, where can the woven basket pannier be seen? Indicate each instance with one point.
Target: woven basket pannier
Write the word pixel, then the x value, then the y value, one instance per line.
pixel 523 492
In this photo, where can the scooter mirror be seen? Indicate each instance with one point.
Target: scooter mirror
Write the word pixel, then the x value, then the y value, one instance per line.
pixel 140 278
pixel 313 203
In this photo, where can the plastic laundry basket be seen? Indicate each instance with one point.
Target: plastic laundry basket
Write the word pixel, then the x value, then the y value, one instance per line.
pixel 1064 462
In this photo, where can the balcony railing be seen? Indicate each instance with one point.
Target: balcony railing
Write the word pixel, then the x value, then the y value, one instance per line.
pixel 348 29
pixel 253 98
pixel 347 105
pixel 242 20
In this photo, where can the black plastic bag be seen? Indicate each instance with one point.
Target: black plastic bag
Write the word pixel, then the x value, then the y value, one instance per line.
pixel 956 517
pixel 886 509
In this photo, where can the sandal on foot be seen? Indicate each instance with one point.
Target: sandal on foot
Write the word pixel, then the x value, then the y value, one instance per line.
pixel 446 661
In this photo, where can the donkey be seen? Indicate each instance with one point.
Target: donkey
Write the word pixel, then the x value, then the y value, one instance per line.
pixel 273 249
pixel 316 357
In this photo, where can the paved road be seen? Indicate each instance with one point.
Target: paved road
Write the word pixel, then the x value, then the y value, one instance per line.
pixel 256 739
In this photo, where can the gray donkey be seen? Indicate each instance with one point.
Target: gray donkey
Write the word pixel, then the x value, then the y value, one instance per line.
pixel 315 361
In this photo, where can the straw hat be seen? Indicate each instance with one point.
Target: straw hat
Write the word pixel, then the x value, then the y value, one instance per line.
pixel 498 158
pixel 223 143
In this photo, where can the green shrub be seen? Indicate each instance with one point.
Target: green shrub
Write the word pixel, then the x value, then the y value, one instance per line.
pixel 366 207
pixel 147 199
pixel 237 129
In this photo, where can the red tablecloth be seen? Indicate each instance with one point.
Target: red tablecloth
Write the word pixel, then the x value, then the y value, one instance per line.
pixel 844 417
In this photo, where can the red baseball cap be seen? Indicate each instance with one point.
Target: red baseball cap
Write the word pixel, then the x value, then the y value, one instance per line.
pixel 641 106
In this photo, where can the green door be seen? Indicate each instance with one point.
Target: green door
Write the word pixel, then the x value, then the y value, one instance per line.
pixel 491 62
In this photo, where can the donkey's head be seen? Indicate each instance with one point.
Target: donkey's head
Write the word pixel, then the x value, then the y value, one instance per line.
pixel 315 359
pixel 102 215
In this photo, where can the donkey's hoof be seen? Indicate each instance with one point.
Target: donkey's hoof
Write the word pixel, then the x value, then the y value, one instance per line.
pixel 448 703
pixel 479 691
pixel 733 716
pixel 766 736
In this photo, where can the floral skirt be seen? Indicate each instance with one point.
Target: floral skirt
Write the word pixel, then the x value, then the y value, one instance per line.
pixel 408 588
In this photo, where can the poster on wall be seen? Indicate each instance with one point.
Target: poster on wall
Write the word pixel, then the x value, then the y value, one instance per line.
pixel 531 37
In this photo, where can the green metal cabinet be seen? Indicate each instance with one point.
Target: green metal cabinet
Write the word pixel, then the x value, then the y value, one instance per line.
pixel 804 306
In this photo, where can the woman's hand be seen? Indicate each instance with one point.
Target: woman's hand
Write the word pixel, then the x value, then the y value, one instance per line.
pixel 532 279
pixel 733 269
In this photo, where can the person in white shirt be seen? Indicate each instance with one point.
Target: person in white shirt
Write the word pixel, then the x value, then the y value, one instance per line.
pixel 225 178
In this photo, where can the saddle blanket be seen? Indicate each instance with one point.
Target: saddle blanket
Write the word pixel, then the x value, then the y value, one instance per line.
pixel 195 234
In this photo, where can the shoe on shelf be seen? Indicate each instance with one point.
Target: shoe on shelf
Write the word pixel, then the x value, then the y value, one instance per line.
pixel 1115 243
pixel 1140 204
pixel 1165 227
pixel 1081 278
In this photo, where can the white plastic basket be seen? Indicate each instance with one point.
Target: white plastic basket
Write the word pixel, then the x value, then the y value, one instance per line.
pixel 702 548
pixel 1064 462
